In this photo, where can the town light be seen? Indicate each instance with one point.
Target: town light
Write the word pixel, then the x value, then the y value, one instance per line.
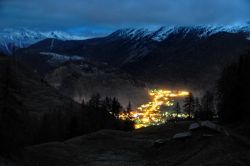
pixel 149 114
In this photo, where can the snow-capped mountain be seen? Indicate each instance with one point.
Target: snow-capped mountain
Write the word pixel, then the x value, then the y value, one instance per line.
pixel 143 41
pixel 22 37
pixel 172 54
pixel 163 33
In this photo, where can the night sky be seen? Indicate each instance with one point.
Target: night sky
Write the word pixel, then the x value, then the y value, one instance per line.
pixel 103 16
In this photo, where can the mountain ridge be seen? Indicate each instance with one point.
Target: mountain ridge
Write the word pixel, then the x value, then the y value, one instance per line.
pixel 22 37
pixel 180 50
pixel 161 33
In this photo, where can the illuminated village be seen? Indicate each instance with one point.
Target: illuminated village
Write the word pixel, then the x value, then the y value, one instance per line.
pixel 150 114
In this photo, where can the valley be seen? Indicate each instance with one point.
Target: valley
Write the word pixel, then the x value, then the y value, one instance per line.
pixel 128 98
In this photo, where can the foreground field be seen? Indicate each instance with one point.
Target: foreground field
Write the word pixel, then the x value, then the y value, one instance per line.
pixel 116 148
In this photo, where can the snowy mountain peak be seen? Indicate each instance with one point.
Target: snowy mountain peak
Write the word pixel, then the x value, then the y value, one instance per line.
pixel 163 33
pixel 24 33
pixel 132 33
pixel 23 37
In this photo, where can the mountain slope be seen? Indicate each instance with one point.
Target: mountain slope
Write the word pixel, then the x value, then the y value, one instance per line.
pixel 81 79
pixel 189 61
pixel 26 103
pixel 32 111
pixel 175 55
pixel 30 90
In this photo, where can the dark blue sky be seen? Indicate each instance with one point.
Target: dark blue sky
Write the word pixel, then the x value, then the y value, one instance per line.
pixel 102 16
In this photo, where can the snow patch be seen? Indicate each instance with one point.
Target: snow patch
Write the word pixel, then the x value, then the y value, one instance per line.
pixel 56 59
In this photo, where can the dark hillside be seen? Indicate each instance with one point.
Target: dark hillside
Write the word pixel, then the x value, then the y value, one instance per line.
pixel 31 111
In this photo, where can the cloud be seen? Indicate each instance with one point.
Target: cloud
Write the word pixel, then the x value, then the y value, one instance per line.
pixel 120 13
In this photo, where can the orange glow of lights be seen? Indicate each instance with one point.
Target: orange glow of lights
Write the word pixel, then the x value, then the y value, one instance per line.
pixel 149 114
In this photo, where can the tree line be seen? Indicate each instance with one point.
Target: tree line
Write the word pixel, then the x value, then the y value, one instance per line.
pixel 19 129
pixel 234 92
pixel 196 108
pixel 229 103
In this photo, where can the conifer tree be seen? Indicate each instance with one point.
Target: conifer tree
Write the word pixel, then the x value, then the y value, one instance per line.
pixel 189 105
pixel 177 108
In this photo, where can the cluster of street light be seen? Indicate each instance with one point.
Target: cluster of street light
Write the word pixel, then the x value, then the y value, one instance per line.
pixel 150 114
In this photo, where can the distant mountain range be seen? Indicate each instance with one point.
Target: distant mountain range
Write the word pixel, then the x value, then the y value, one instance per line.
pixel 179 56
pixel 21 37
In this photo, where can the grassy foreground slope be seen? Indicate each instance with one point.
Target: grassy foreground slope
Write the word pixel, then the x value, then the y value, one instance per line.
pixel 109 147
